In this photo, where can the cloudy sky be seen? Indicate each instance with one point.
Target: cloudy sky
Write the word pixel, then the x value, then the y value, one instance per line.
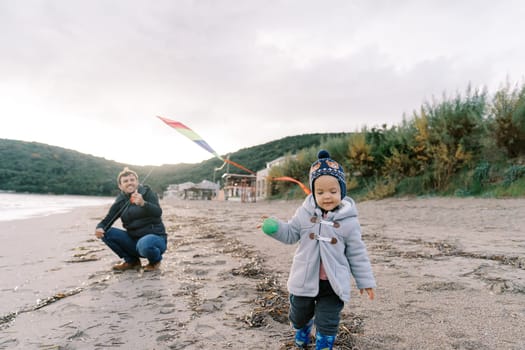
pixel 92 76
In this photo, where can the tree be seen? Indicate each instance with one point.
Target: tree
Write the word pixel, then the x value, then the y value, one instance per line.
pixel 508 113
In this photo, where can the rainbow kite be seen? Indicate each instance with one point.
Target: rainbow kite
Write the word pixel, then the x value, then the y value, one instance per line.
pixel 192 135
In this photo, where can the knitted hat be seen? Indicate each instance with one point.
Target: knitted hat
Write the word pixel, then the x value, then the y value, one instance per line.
pixel 327 166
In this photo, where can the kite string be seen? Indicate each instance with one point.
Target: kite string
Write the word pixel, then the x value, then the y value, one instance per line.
pixel 221 167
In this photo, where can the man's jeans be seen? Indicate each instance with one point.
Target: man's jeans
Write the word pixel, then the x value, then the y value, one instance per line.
pixel 130 249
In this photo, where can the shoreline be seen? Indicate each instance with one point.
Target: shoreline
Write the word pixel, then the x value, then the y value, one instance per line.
pixel 448 270
pixel 21 206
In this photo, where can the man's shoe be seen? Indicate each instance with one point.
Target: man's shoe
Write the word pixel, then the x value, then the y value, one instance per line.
pixel 152 267
pixel 126 266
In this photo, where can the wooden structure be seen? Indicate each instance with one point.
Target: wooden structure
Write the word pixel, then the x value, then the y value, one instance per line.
pixel 239 187
pixel 205 190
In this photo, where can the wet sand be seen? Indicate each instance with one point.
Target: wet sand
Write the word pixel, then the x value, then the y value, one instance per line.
pixel 450 273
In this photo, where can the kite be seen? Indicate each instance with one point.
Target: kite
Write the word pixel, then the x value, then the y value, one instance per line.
pixel 192 135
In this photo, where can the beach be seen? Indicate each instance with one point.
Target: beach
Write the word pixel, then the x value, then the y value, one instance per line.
pixel 450 275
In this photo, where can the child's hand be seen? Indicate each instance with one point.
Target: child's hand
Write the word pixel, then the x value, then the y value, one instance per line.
pixel 369 291
pixel 269 225
pixel 263 218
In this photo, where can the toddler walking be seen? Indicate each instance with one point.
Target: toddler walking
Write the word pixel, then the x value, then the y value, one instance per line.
pixel 329 253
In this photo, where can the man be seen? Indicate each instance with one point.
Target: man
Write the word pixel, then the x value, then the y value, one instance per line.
pixel 141 215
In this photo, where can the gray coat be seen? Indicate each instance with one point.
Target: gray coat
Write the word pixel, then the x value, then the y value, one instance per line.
pixel 336 240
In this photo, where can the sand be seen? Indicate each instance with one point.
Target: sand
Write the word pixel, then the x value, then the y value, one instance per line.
pixel 450 273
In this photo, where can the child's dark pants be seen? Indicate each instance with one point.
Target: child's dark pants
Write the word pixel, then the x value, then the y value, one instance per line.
pixel 325 307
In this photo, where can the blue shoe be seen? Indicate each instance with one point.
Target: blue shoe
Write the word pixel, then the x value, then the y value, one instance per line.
pixel 302 335
pixel 324 342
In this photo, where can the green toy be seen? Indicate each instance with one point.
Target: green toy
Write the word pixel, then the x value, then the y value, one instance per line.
pixel 270 226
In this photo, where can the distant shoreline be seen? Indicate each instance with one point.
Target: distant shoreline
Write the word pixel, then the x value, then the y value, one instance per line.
pixel 18 206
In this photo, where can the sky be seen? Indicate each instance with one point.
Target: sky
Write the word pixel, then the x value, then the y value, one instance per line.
pixel 92 76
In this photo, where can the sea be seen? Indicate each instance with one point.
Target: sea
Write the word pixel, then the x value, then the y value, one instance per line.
pixel 17 206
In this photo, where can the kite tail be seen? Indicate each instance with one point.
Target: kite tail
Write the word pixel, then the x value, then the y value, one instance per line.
pixel 238 166
pixel 305 189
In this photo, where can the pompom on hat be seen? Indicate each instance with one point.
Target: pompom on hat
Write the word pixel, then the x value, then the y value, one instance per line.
pixel 325 165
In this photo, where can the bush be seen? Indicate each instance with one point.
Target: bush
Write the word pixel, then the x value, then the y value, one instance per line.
pixel 416 185
pixel 514 173
pixel 480 177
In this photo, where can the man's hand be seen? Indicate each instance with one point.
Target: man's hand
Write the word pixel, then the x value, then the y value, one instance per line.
pixel 136 198
pixel 99 233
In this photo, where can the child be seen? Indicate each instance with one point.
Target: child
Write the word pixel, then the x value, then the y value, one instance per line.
pixel 330 251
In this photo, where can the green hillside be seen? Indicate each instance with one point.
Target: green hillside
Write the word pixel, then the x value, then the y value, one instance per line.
pixel 39 168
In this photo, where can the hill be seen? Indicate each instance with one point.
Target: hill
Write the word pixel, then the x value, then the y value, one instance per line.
pixel 40 168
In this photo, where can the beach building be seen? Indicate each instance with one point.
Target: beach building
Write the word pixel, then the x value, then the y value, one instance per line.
pixel 204 190
pixel 261 187
pixel 262 177
pixel 239 187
